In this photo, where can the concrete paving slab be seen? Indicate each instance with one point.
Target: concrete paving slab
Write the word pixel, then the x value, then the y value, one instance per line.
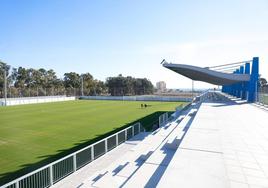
pixel 190 168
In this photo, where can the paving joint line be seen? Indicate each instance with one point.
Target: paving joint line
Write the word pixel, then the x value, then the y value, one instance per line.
pixel 201 150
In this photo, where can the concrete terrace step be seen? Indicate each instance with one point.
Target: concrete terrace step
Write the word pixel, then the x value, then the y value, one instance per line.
pixel 153 168
pixel 176 136
pixel 149 151
pixel 98 166
pixel 173 142
pixel 133 159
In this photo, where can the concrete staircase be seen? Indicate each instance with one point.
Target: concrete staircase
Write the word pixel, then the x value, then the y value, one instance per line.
pixel 148 160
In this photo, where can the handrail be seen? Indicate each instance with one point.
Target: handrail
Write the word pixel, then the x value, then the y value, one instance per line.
pixel 68 156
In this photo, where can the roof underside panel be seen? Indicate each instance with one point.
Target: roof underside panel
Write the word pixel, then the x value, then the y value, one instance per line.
pixel 206 75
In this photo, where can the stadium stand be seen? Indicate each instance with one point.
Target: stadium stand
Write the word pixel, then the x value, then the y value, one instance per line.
pixel 210 144
pixel 152 150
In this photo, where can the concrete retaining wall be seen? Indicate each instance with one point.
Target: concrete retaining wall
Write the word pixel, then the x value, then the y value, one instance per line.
pixel 33 100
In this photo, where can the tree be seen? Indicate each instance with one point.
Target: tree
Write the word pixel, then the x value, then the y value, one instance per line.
pixel 72 83
pixel 99 87
pixel 24 82
pixel 4 71
pixel 58 86
pixel 263 85
pixel 118 86
pixel 88 83
pixel 71 80
pixel 148 86
pixel 50 80
pixel 262 82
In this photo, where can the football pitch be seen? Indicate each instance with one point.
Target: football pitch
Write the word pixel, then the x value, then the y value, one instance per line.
pixel 37 132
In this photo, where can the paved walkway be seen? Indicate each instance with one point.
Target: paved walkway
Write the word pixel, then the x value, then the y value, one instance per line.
pixel 226 146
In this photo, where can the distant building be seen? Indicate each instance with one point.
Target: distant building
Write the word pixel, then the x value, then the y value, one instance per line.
pixel 161 86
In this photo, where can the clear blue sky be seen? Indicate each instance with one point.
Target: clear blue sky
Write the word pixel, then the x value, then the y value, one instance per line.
pixel 107 38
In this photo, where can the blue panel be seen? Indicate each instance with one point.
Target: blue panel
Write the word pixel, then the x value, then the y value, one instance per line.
pixel 240 86
pixel 247 68
pixel 237 86
pixel 233 88
pixel 223 89
pixel 247 71
pixel 252 89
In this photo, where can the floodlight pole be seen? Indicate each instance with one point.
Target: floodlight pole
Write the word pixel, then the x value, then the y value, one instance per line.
pixel 82 86
pixel 5 86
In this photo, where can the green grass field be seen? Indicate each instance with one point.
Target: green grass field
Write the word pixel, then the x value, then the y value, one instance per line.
pixel 34 134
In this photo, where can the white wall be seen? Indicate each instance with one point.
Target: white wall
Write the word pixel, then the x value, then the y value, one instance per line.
pixel 33 100
pixel 138 98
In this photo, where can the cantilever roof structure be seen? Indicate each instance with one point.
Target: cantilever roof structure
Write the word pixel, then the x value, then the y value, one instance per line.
pixel 207 75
